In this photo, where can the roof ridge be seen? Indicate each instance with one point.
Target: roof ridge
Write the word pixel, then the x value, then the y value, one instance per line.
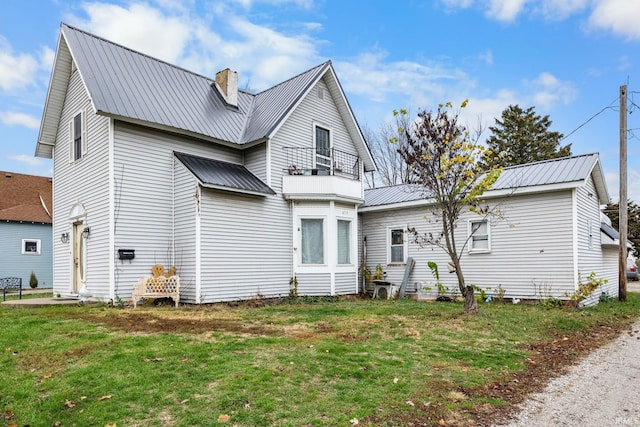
pixel 295 77
pixel 557 159
pixel 153 58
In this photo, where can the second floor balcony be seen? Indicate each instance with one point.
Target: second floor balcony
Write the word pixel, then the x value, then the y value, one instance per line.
pixel 322 174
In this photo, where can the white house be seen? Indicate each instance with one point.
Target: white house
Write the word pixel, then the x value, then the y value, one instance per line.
pixel 240 191
pixel 549 239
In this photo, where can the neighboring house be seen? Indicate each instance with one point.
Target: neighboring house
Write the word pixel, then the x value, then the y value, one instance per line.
pixel 240 191
pixel 25 228
pixel 549 239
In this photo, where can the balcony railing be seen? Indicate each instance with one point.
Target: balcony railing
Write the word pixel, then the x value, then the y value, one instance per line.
pixel 312 161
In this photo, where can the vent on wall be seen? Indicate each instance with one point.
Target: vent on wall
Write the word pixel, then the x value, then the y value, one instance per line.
pixel 321 93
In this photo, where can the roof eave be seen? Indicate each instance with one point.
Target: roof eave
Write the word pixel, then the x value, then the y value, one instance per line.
pixel 60 72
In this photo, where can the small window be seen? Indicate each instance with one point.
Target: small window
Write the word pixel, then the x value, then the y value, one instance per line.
pixel 312 244
pixel 590 231
pixel 344 242
pixel 30 246
pixel 480 239
pixel 78 137
pixel 397 252
pixel 323 148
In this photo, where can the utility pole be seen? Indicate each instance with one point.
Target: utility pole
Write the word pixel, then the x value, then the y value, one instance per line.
pixel 623 222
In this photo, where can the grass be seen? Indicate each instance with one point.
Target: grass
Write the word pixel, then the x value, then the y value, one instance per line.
pixel 306 364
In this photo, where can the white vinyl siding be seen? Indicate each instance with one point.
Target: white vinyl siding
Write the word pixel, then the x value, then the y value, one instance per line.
pixel 185 212
pixel 299 131
pixel 143 163
pixel 531 254
pixel 86 182
pixel 592 257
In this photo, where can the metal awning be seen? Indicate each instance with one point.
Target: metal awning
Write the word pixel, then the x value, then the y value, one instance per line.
pixel 224 176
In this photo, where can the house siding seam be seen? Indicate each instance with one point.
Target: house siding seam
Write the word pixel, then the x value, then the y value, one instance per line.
pixel 86 181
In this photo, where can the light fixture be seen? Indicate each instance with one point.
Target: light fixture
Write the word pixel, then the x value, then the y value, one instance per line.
pixel 64 237
pixel 85 232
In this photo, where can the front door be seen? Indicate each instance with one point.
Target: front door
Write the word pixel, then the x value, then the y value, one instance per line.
pixel 78 256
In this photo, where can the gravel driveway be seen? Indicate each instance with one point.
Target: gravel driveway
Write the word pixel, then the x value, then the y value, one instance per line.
pixel 602 390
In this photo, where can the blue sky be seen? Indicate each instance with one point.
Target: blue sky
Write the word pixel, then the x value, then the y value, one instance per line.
pixel 568 58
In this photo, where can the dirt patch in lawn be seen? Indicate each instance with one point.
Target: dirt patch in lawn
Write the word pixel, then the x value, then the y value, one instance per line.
pixel 548 359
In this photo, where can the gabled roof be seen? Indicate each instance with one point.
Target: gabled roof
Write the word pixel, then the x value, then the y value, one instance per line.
pixel 137 88
pixel 223 175
pixel 25 198
pixel 565 172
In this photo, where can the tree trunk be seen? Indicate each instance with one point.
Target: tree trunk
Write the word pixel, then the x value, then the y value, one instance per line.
pixel 470 303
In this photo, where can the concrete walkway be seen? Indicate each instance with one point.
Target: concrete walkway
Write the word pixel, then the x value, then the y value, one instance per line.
pixel 38 302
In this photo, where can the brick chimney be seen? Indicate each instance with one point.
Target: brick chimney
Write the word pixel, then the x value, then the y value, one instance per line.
pixel 227 85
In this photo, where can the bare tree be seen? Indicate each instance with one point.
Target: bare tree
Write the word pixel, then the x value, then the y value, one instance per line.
pixel 444 162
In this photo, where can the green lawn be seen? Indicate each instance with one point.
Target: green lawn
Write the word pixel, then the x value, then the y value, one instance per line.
pixel 338 363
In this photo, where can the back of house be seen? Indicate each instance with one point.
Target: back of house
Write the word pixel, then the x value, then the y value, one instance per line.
pixel 542 240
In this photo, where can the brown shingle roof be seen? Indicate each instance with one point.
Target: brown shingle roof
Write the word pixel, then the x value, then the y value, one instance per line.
pixel 22 197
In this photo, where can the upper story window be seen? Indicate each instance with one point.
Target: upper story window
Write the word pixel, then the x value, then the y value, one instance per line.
pixel 30 246
pixel 397 246
pixel 78 137
pixel 323 148
pixel 480 236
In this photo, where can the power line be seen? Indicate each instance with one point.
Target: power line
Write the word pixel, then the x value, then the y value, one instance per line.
pixel 609 107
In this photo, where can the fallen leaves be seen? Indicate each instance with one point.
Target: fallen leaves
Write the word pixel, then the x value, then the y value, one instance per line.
pixel 155 359
pixel 224 418
pixel 108 396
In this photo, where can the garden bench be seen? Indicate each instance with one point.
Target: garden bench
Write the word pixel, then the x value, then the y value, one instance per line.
pixel 156 287
pixel 10 285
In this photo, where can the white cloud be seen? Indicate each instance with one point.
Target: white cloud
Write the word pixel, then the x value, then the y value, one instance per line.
pixel 619 16
pixel 140 27
pixel 505 10
pixel 19 119
pixel 555 10
pixel 47 55
pixel 23 158
pixel 301 3
pixel 369 75
pixel 16 70
pixel 548 91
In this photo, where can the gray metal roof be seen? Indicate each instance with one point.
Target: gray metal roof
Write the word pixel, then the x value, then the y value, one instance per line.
pixel 567 170
pixel 131 86
pixel 272 105
pixel 223 175
pixel 609 231
pixel 128 84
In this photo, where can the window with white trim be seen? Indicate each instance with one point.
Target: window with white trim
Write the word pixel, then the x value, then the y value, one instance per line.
pixel 30 246
pixel 323 148
pixel 397 245
pixel 312 240
pixel 480 236
pixel 344 241
pixel 78 140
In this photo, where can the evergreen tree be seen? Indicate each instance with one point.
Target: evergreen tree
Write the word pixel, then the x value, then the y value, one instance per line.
pixel 612 210
pixel 524 137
